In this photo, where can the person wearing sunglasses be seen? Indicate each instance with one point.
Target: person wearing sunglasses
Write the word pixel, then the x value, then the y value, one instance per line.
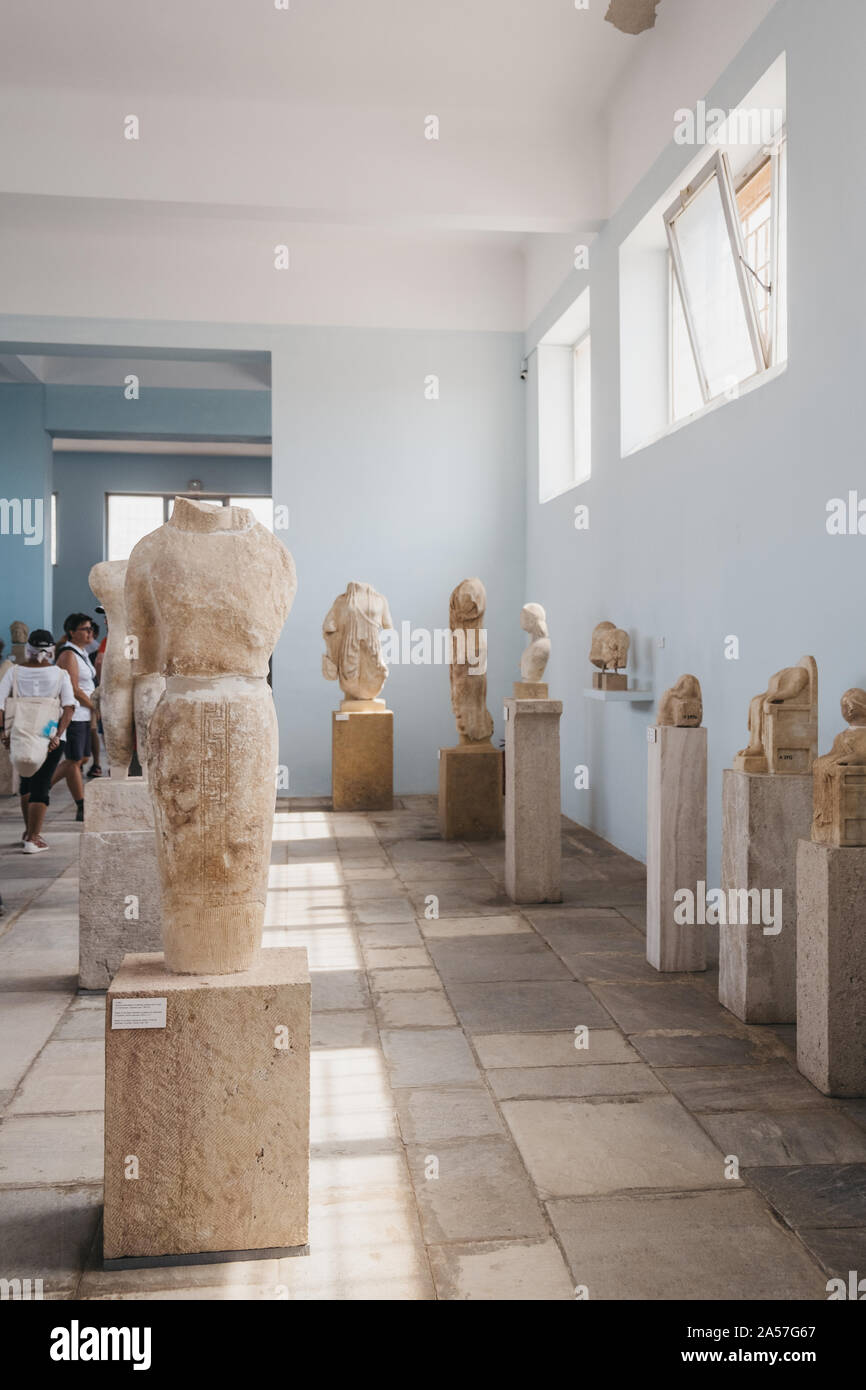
pixel 72 656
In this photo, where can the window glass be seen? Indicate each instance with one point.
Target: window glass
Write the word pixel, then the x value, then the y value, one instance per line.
pixel 130 518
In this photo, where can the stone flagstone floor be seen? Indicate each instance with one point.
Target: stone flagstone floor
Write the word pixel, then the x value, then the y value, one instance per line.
pixel 462 1146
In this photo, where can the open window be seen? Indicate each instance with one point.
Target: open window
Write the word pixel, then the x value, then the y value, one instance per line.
pixel 726 301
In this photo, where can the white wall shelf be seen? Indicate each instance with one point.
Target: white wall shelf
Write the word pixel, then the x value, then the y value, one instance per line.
pixel 638 697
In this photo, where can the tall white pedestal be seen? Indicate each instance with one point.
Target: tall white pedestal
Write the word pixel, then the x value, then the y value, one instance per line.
pixel 676 844
pixel 533 826
pixel 831 967
pixel 763 817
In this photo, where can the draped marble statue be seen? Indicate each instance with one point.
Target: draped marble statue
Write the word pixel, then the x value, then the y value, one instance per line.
pixel 353 649
pixel 783 723
pixel 468 670
pixel 206 597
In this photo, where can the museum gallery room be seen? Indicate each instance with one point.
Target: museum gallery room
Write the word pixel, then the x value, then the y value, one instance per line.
pixel 433 696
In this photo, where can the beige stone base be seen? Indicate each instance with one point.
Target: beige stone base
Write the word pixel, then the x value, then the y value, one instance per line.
pixel 530 690
pixel 207 1118
pixel 676 849
pixel 831 967
pixel 118 803
pixel 533 838
pixel 609 680
pixel 362 757
pixel 471 800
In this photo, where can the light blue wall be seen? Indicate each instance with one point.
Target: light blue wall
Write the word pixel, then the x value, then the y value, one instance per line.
pixel 720 528
pixel 81 482
pixel 25 472
pixel 408 494
pixel 159 413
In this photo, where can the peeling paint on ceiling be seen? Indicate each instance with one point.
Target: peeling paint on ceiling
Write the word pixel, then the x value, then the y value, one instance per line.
pixel 632 16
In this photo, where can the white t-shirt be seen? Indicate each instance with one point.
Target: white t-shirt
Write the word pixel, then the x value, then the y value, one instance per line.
pixel 86 681
pixel 38 681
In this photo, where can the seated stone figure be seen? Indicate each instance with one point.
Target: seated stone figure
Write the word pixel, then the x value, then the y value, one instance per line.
pixel 783 723
pixel 839 780
pixel 682 706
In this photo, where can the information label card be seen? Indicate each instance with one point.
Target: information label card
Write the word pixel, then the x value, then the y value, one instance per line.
pixel 138 1013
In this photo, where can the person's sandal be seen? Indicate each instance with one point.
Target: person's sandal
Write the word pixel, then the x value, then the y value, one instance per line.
pixel 95 771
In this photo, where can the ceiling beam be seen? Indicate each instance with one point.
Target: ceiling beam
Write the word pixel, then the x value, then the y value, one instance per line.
pixel 16 368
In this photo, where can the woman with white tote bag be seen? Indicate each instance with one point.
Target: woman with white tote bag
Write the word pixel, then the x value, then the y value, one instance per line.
pixel 36 705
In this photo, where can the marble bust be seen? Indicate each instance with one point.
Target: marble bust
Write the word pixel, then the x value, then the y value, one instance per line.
pixel 839 780
pixel 609 649
pixel 468 669
pixel 532 685
pixel 783 723
pixel 353 653
pixel 206 597
pixel 682 706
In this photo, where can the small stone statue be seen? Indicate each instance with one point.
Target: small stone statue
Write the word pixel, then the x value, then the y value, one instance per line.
pixel 839 780
pixel 18 631
pixel 783 723
pixel 682 706
pixel 609 652
pixel 468 670
pixel 535 657
pixel 354 653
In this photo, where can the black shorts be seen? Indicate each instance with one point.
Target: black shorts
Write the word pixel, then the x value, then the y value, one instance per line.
pixel 77 740
pixel 38 786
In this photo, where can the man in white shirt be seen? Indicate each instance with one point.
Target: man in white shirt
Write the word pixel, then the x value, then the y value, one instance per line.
pixel 72 656
pixel 38 677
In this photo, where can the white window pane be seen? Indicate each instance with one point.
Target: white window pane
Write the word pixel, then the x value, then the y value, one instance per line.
pixel 686 394
pixel 54 528
pixel 262 508
pixel 582 412
pixel 712 286
pixel 130 518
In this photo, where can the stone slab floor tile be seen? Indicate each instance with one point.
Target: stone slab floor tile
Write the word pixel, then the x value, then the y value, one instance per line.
pixel 396 957
pixel 445 928
pixel 85 1018
pixel 376 910
pixel 706 1050
pixel 644 1008
pixel 27 1021
pixel 442 871
pixel 692 1246
pixel 400 851
pixel 51 1149
pixel 415 1009
pixel 353 1029
pixel 774 1085
pixel 429 1057
pixel 513 1270
pixel 47 1232
pixel 456 899
pixel 815 1195
pixel 616 1079
pixel 66 1076
pixel 339 989
pixel 579 932
pixel 378 890
pixel 413 977
pixel 838 1252
pixel 553 1049
pixel 492 958
pixel 429 1117
pixel 480 1191
pixel 800 1136
pixel 387 935
pixel 585 1148
pixel 531 1006
pixel 616 967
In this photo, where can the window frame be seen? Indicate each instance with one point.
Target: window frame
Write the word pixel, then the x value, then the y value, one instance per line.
pixel 718 167
pixel 167 497
pixel 581 349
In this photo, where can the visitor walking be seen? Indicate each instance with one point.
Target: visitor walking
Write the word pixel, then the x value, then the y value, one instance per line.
pixel 41 698
pixel 72 657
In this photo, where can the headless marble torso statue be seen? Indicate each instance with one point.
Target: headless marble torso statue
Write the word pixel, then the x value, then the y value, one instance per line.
pixel 468 670
pixel 682 706
pixel 839 780
pixel 354 653
pixel 783 723
pixel 207 595
pixel 533 662
pixel 126 700
pixel 609 647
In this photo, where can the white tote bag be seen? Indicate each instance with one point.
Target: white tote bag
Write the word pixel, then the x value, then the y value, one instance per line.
pixel 31 721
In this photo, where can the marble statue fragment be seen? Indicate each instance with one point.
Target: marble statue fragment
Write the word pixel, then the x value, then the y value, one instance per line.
pixel 126 700
pixel 632 16
pixel 609 652
pixel 468 669
pixel 783 723
pixel 839 780
pixel 18 632
pixel 206 596
pixel 682 707
pixel 353 653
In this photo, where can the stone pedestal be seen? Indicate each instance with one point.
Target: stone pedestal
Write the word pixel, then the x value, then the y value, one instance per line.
pixel 530 690
pixel 119 901
pixel 609 680
pixel 831 967
pixel 470 792
pixel 763 817
pixel 362 756
pixel 533 845
pixel 8 780
pixel 207 1105
pixel 676 845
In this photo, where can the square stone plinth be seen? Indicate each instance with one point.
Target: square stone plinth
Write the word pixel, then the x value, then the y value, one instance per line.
pixel 118 803
pixel 609 680
pixel 470 792
pixel 119 901
pixel 362 759
pixel 533 839
pixel 831 967
pixel 207 1116
pixel 763 818
pixel 676 845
